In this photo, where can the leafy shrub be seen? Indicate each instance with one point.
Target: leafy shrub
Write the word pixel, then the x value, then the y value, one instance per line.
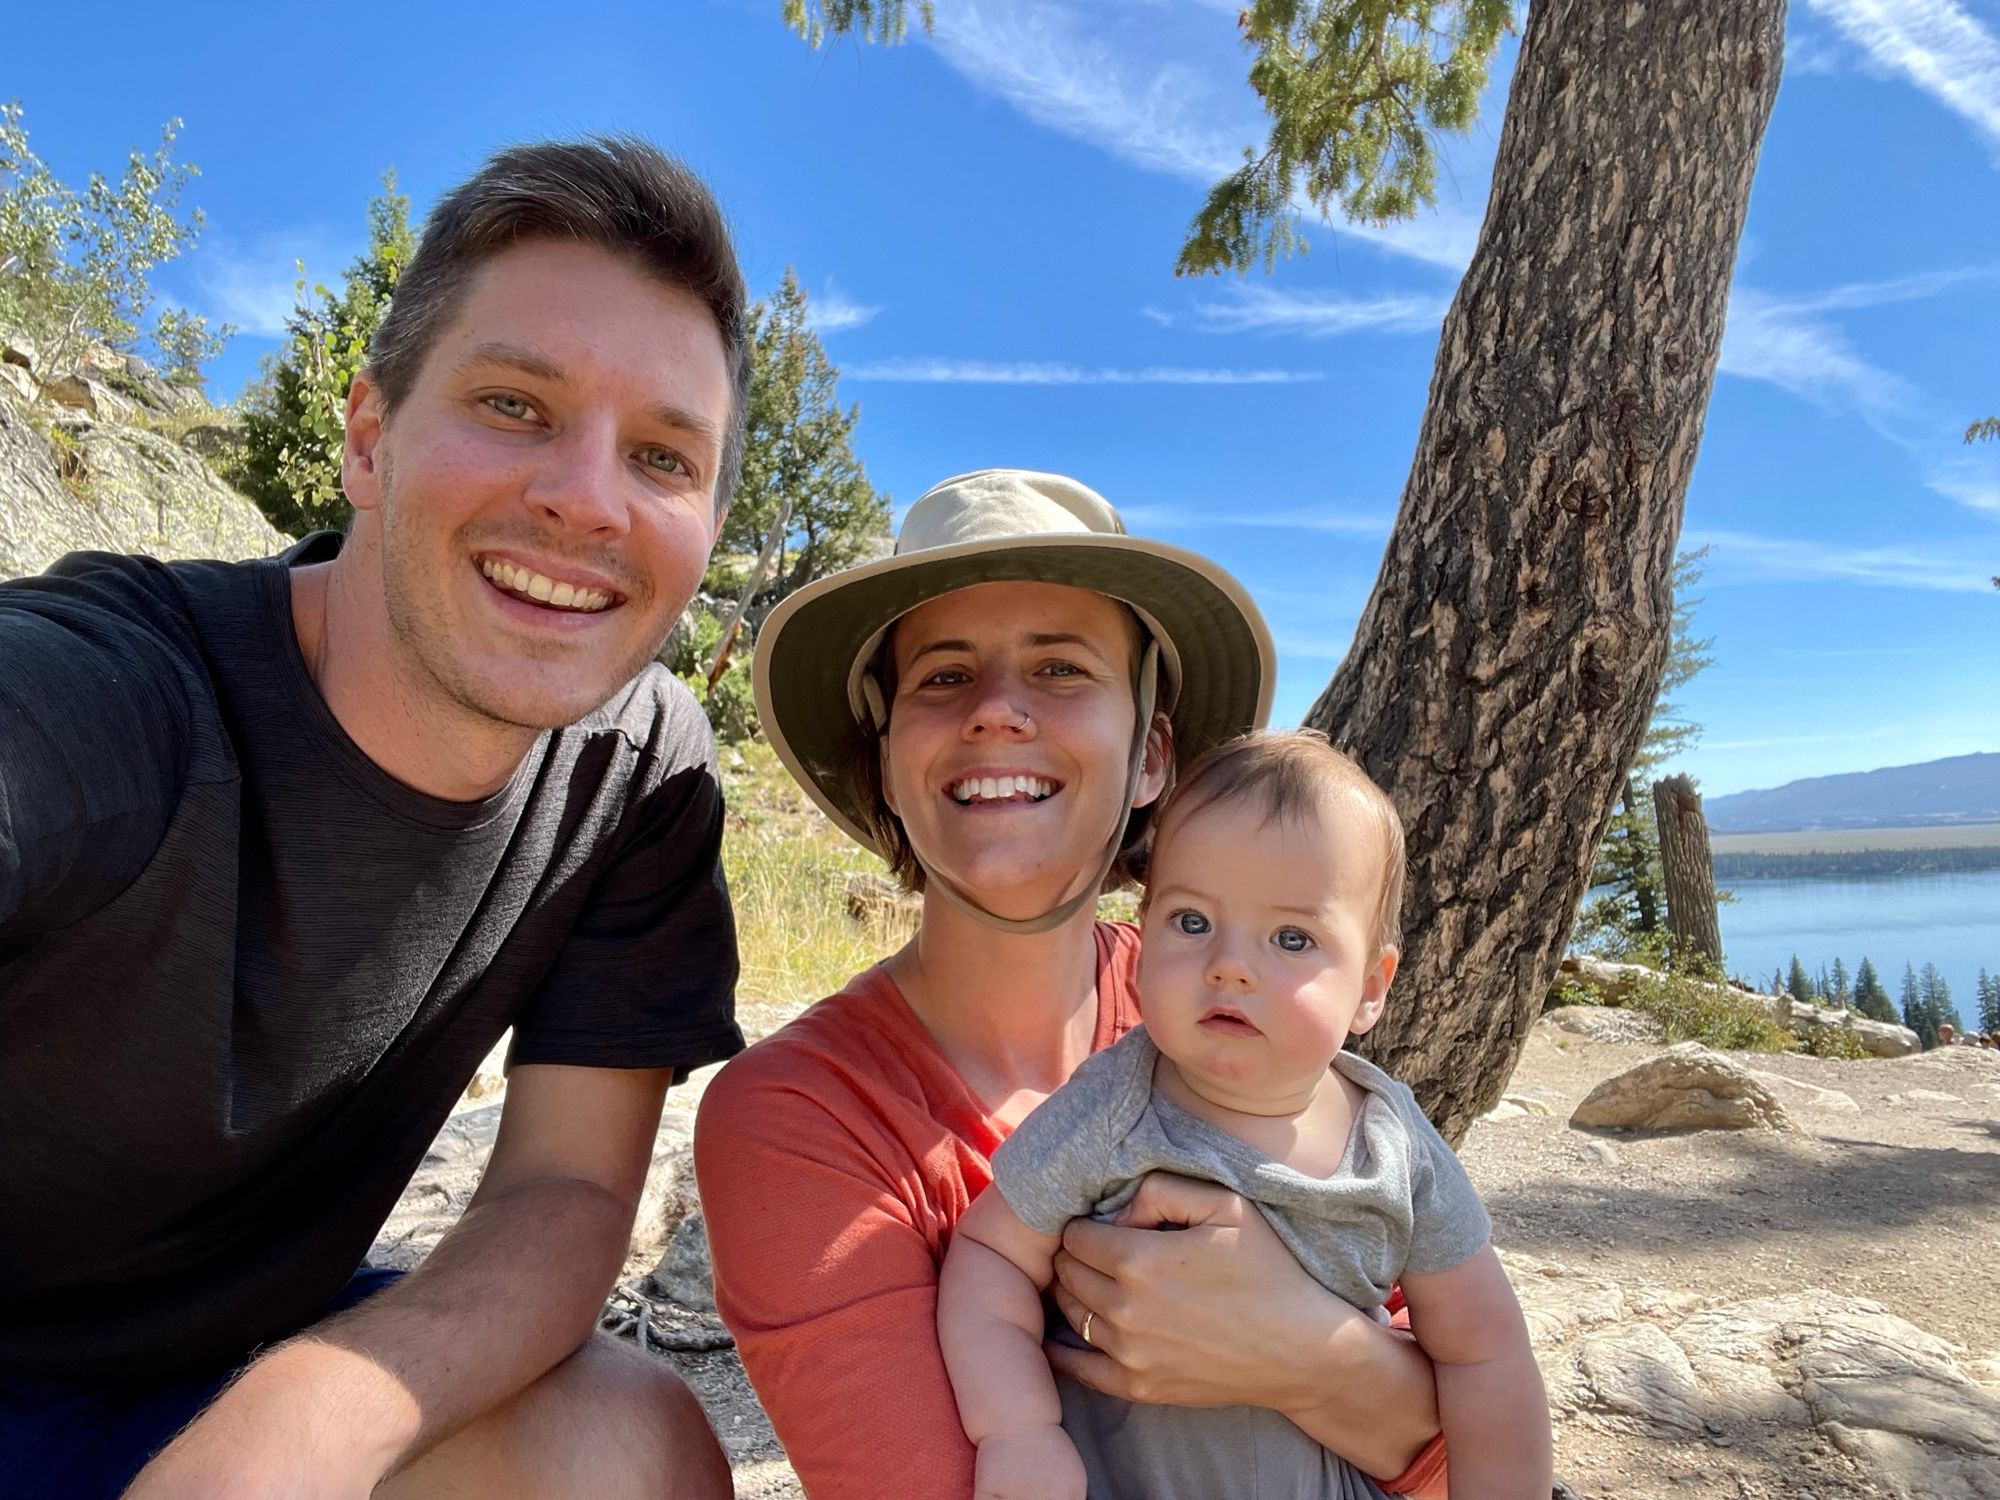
pixel 1693 1004
pixel 1832 1041
pixel 731 705
pixel 75 267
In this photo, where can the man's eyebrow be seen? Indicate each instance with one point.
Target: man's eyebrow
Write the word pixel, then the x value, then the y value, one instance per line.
pixel 523 357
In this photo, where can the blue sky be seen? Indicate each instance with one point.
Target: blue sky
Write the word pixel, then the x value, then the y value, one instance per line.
pixel 988 219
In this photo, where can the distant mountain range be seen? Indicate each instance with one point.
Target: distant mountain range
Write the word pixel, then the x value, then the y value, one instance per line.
pixel 1938 793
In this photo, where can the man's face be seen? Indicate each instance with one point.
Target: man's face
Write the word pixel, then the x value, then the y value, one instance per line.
pixel 545 492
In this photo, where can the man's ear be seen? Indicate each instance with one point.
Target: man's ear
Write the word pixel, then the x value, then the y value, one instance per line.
pixel 1375 991
pixel 360 451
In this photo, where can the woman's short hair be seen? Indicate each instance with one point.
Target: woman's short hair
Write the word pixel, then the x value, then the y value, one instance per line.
pixel 1290 775
pixel 618 193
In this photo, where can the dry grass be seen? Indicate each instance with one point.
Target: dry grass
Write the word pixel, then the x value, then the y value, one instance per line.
pixel 1858 840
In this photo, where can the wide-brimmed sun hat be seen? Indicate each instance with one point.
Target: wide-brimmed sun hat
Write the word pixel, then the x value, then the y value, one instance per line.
pixel 816 652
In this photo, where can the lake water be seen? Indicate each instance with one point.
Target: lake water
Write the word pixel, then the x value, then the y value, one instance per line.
pixel 1952 921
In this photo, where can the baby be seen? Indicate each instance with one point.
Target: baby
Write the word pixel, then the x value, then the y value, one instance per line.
pixel 1270 923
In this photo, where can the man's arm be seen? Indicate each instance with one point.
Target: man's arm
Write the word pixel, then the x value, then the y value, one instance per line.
pixel 1496 1416
pixel 509 1293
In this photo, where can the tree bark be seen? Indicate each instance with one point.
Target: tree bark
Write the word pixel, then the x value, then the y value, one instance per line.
pixel 1688 868
pixel 1503 671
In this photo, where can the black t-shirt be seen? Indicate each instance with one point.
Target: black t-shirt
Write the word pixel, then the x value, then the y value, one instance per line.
pixel 244 972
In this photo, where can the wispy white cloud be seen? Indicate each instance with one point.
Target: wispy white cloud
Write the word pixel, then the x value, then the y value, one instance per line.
pixel 1938 45
pixel 1737 557
pixel 1043 372
pixel 255 285
pixel 1256 308
pixel 1973 480
pixel 1081 72
pixel 1787 344
pixel 1325 518
pixel 833 310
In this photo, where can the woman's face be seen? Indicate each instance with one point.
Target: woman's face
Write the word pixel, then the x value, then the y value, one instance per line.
pixel 1010 737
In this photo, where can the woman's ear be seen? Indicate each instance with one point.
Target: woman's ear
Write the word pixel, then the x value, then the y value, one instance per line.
pixel 1156 771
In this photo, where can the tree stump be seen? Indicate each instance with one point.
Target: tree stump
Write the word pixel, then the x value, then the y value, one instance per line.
pixel 1688 868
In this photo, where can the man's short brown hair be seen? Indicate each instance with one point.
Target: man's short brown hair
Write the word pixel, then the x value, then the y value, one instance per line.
pixel 1291 775
pixel 619 193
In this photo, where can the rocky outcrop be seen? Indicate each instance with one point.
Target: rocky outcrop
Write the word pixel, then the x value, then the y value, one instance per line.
pixel 1605 1023
pixel 85 464
pixel 1894 1402
pixel 1686 1087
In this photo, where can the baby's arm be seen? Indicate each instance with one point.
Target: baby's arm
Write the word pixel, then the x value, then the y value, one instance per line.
pixel 990 1327
pixel 1490 1398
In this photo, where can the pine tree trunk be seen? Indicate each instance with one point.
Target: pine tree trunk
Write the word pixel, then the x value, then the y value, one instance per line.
pixel 1502 674
pixel 1688 868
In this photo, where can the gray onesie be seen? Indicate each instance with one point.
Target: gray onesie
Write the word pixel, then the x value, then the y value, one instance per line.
pixel 1399 1202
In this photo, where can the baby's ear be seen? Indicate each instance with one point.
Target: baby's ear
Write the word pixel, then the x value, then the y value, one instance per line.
pixel 1375 991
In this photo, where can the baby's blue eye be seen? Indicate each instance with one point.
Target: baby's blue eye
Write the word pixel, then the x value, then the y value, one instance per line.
pixel 1193 923
pixel 1292 940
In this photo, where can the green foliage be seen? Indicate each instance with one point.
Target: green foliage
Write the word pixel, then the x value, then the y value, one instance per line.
pixel 1984 428
pixel 75 268
pixel 1693 1002
pixel 883 21
pixel 1839 992
pixel 1839 1042
pixel 1633 908
pixel 1356 91
pixel 797 448
pixel 731 705
pixel 295 414
pixel 1988 1001
pixel 1869 996
pixel 1927 1004
pixel 1797 985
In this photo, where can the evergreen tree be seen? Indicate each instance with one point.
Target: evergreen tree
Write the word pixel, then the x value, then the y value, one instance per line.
pixel 1989 1003
pixel 796 448
pixel 1797 985
pixel 295 415
pixel 1840 994
pixel 1777 981
pixel 1869 996
pixel 1936 997
pixel 1917 1015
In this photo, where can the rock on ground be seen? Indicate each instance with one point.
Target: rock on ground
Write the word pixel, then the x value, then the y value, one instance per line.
pixel 1686 1087
pixel 1604 1023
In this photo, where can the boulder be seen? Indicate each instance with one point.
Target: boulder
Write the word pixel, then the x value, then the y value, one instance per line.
pixel 1877 1038
pixel 1604 1023
pixel 1635 1370
pixel 1810 1095
pixel 1686 1087
pixel 129 490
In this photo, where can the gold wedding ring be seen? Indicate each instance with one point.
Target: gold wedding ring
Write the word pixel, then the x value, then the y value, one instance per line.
pixel 1085 1330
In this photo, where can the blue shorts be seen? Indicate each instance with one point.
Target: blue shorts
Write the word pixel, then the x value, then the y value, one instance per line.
pixel 71 1442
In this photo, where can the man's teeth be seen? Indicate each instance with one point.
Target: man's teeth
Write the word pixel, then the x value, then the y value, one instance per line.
pixel 544 590
pixel 1001 788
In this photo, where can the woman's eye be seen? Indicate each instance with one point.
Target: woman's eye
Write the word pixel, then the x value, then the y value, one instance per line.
pixel 1292 940
pixel 1193 923
pixel 1062 669
pixel 947 677
pixel 511 406
pixel 664 459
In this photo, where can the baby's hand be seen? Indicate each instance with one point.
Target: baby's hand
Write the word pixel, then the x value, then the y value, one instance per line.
pixel 1035 1463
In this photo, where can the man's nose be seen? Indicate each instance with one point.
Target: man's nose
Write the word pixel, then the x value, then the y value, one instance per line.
pixel 581 481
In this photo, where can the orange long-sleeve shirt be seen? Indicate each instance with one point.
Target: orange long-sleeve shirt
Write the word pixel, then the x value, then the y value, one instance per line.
pixel 834 1158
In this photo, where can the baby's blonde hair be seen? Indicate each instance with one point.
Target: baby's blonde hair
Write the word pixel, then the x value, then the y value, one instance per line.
pixel 1291 774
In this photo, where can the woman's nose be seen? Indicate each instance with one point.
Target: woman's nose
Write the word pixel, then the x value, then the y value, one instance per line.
pixel 999 712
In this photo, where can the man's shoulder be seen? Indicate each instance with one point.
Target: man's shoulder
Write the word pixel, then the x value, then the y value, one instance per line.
pixel 656 714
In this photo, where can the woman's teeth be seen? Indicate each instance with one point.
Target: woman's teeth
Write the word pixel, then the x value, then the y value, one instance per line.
pixel 1001 789
pixel 542 590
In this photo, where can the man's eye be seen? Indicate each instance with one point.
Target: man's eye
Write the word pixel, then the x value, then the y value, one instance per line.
pixel 1292 940
pixel 664 459
pixel 511 406
pixel 1193 923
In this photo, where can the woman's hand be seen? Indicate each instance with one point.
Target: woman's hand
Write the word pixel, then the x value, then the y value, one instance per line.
pixel 1218 1313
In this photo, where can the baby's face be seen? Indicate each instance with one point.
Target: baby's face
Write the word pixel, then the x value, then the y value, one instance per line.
pixel 1259 958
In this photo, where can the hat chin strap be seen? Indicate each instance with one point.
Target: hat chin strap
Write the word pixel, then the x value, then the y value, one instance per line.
pixel 1149 674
